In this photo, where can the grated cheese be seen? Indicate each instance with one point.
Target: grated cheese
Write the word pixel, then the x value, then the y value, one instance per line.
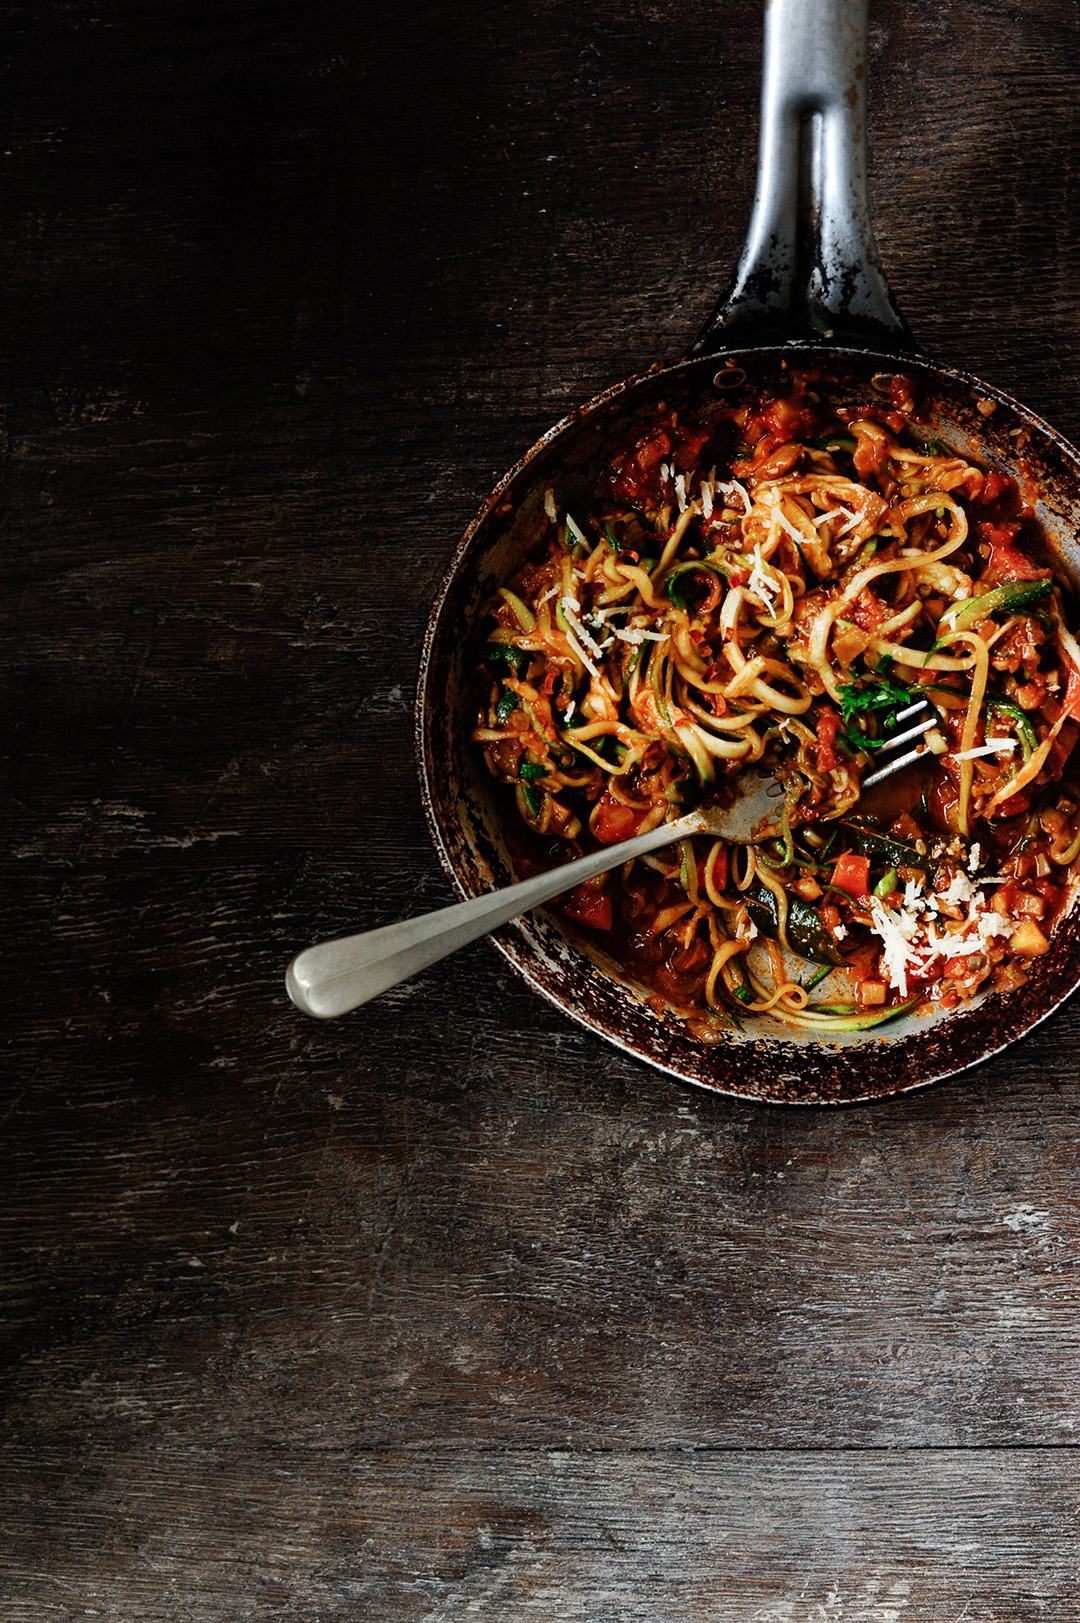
pixel 840 512
pixel 991 924
pixel 960 890
pixel 959 946
pixel 993 746
pixel 911 940
pixel 577 532
pixel 578 638
pixel 759 582
pixel 630 634
pixel 789 528
pixel 895 931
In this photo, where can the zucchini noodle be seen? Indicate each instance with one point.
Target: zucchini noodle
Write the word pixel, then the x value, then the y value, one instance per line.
pixel 774 579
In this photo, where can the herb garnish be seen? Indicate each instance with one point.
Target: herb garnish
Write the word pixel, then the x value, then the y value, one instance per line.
pixel 875 695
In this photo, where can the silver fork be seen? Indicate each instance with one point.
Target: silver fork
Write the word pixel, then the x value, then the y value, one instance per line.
pixel 336 976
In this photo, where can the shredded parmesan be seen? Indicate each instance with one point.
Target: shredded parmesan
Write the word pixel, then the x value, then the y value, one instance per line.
pixel 911 940
pixel 789 528
pixel 960 890
pixel 993 746
pixel 576 531
pixel 578 638
pixel 840 512
pixel 991 924
pixel 958 946
pixel 629 634
pixel 895 931
pixel 760 584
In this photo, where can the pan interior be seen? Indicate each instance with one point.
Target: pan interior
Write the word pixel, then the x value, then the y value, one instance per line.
pixel 766 1061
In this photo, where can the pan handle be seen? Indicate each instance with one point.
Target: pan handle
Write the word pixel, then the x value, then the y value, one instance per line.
pixel 810 268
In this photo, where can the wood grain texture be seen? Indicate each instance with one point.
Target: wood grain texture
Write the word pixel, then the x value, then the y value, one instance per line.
pixel 827 1538
pixel 448 1309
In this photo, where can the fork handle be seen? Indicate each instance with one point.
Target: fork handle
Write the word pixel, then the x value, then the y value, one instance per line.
pixel 336 976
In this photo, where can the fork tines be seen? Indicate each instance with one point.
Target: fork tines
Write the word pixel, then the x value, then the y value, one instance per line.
pixel 910 723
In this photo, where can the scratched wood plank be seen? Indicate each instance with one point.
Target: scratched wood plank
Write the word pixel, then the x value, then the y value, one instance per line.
pixel 434 1310
pixel 893 1537
pixel 512 1234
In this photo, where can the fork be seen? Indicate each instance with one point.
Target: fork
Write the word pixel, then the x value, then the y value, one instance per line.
pixel 335 976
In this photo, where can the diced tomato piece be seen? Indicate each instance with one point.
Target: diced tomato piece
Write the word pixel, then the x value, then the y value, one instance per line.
pixel 611 821
pixel 533 580
pixel 585 904
pixel 688 447
pixel 851 872
pixel 689 960
pixel 651 450
pixel 772 461
pixel 636 476
pixel 1007 561
pixel 995 485
pixel 720 869
pixel 1060 750
pixel 1002 497
pixel 828 723
pixel 868 611
pixel 795 418
pixel 902 393
pixel 1053 898
pixel 1016 806
pixel 906 829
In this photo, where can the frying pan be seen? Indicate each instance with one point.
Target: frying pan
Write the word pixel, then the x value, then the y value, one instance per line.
pixel 808 292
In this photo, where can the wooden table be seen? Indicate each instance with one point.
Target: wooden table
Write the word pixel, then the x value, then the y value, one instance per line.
pixel 448 1309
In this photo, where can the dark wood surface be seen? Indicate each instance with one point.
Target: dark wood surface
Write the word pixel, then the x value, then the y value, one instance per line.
pixel 449 1310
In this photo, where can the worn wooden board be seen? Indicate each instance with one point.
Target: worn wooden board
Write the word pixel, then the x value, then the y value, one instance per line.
pixel 878 1537
pixel 448 1307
